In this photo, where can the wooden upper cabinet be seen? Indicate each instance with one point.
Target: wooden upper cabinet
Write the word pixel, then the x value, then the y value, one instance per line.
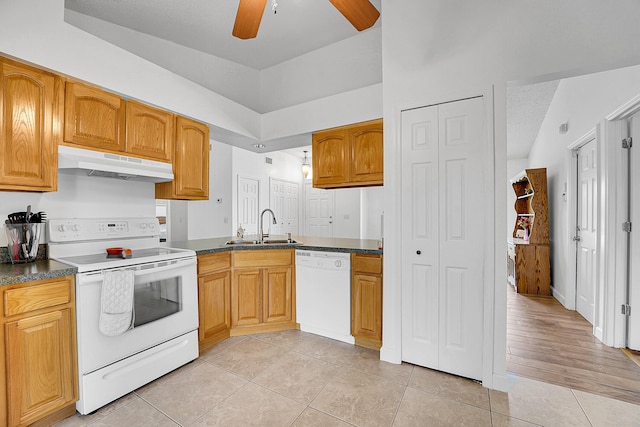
pixel 149 131
pixel 30 108
pixel 94 118
pixel 349 156
pixel 190 163
pixel 367 157
pixel 330 158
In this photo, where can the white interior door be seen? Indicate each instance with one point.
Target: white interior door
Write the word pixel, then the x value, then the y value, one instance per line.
pixel 283 201
pixel 318 212
pixel 248 204
pixel 633 330
pixel 443 236
pixel 586 223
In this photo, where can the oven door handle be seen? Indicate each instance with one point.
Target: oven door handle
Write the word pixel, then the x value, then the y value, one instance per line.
pixel 172 266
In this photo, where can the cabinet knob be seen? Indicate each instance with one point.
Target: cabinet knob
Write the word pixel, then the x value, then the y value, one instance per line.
pixel 418 252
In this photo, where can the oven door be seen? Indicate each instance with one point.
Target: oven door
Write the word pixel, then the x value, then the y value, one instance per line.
pixel 165 306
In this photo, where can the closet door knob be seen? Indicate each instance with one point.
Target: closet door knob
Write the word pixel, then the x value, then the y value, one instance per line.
pixel 418 252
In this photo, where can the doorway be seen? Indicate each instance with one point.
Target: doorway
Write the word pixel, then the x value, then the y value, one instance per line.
pixel 572 357
pixel 248 200
pixel 318 212
pixel 584 196
pixel 284 202
pixel 442 235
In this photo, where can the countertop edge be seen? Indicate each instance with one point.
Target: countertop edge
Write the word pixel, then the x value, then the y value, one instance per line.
pixel 38 270
pixel 297 247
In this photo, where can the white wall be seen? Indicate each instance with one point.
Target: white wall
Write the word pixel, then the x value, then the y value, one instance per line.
pixel 211 218
pixel 372 202
pixel 441 50
pixel 349 64
pixel 89 197
pixel 352 63
pixel 582 102
pixel 229 79
pixel 346 218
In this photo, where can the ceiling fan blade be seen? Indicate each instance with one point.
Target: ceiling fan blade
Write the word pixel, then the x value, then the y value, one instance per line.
pixel 248 18
pixel 361 13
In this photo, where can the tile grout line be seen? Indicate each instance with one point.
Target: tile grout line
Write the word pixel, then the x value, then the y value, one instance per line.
pixel 581 407
pixel 156 408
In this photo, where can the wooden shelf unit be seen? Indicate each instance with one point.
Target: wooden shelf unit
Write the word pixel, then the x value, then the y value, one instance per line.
pixel 529 260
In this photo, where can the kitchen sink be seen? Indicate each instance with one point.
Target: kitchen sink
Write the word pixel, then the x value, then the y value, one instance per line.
pixel 240 242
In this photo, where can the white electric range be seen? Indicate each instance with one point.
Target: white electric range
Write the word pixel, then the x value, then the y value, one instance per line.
pixel 164 333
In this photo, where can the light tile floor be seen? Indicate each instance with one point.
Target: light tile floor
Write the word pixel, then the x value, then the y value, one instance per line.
pixel 293 378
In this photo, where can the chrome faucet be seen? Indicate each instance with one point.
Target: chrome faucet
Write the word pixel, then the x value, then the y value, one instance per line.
pixel 261 236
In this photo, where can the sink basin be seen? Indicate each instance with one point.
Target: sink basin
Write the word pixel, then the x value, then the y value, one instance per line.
pixel 281 242
pixel 242 242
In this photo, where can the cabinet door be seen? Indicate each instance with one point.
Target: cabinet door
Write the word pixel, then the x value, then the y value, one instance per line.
pixel 40 366
pixel 277 295
pixel 366 309
pixel 190 163
pixel 246 297
pixel 28 140
pixel 214 304
pixel 93 118
pixel 149 132
pixel 367 154
pixel 330 158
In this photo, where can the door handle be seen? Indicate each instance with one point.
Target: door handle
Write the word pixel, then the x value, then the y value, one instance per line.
pixel 576 238
pixel 418 252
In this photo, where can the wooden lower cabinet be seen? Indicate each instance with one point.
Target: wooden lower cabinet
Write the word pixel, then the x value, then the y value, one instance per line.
pixel 247 297
pixel 262 291
pixel 529 269
pixel 214 298
pixel 366 300
pixel 40 351
pixel 277 286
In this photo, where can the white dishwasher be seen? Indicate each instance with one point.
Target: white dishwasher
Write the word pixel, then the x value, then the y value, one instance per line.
pixel 323 294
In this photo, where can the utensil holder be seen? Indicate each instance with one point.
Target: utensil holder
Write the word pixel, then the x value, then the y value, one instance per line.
pixel 23 241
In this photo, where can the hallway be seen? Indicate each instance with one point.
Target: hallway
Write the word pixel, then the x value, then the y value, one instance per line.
pixel 549 343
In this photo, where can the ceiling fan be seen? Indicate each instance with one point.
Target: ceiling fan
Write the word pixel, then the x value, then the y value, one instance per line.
pixel 361 13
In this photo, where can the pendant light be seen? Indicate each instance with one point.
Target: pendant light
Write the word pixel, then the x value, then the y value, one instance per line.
pixel 306 168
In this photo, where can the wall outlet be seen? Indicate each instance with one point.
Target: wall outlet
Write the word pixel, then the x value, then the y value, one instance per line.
pixel 225 220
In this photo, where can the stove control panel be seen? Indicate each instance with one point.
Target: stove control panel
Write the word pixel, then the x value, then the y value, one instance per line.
pixel 82 229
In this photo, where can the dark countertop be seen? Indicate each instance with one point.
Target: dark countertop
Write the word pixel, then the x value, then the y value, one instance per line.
pixel 327 244
pixel 45 269
pixel 36 270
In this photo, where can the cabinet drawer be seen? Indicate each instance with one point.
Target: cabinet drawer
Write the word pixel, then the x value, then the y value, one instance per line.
pixel 213 262
pixel 263 258
pixel 36 297
pixel 366 263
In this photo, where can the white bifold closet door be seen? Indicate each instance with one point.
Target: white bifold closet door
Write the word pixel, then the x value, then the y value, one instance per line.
pixel 444 148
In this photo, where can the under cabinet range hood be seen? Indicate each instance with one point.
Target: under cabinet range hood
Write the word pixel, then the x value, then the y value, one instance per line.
pixel 96 163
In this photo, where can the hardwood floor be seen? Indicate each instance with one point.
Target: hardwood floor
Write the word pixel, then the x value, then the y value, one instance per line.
pixel 549 343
